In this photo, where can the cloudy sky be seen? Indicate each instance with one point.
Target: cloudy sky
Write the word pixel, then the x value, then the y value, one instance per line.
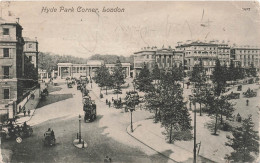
pixel 141 24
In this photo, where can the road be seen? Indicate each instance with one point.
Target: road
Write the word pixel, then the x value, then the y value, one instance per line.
pixel 105 136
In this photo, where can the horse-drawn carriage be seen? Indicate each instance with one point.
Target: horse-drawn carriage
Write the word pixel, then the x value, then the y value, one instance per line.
pixel 233 95
pixel 49 138
pixel 69 85
pixel 89 107
pixel 44 93
pixel 249 93
pixel 14 131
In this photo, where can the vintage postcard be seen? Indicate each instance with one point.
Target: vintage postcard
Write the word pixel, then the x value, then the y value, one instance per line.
pixel 129 81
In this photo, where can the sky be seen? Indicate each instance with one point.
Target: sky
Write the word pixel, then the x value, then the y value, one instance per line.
pixel 83 34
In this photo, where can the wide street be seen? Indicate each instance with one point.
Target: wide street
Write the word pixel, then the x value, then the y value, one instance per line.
pixel 105 136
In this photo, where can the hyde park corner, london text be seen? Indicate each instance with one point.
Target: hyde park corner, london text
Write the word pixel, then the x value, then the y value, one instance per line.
pixel 80 9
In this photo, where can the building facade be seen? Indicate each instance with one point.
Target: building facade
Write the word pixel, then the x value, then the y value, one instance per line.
pixel 164 58
pixel 88 69
pixel 207 53
pixel 246 56
pixel 16 72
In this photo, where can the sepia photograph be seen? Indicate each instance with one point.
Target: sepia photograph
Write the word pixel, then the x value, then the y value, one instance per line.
pixel 129 81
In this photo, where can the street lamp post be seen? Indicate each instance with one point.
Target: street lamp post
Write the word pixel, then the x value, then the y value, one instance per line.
pixel 132 109
pixel 194 148
pixel 79 129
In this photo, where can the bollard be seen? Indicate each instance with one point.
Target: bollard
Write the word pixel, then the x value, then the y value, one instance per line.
pixel 77 135
pixel 83 144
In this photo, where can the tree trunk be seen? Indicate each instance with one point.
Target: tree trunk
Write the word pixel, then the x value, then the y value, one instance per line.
pixel 221 119
pixel 200 109
pixel 159 115
pixel 106 90
pixel 216 123
pixel 170 141
pixel 156 119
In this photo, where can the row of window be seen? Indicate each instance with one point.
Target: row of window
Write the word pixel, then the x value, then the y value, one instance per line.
pixel 244 51
pixel 248 56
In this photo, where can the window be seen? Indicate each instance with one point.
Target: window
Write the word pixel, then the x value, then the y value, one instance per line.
pixel 6 93
pixel 6 31
pixel 30 58
pixel 6 52
pixel 147 56
pixel 30 45
pixel 6 72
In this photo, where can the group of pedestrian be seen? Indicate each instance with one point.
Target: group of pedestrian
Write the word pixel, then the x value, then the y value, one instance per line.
pixel 108 103
pixel 115 102
pixel 28 111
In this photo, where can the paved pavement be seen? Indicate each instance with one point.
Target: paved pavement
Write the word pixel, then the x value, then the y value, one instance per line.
pixel 31 105
pixel 150 134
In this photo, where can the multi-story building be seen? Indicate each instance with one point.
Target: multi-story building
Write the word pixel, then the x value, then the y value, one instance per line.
pixel 164 58
pixel 207 53
pixel 197 52
pixel 31 51
pixel 246 56
pixel 16 71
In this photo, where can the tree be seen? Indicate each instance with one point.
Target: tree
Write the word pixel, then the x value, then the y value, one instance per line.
pixel 144 80
pixel 156 74
pixel 175 115
pixel 231 72
pixel 218 106
pixel 102 76
pixel 153 102
pixel 244 141
pixel 198 76
pixel 219 78
pixel 253 71
pixel 118 76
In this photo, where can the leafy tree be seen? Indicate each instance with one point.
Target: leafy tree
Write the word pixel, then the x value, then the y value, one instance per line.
pixel 219 106
pixel 118 76
pixel 219 78
pixel 102 76
pixel 156 74
pixel 244 141
pixel 253 71
pixel 198 76
pixel 175 116
pixel 153 102
pixel 144 80
pixel 240 73
pixel 231 72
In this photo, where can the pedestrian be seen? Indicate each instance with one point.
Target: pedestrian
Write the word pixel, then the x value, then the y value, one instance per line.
pixel 247 102
pixel 109 103
pixel 106 101
pixel 29 112
pixel 120 100
pixel 24 111
pixel 112 99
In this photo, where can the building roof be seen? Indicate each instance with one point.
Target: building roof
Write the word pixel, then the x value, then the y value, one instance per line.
pixel 196 44
pixel 5 22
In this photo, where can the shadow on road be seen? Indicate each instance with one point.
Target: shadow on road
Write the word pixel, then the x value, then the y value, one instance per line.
pixel 53 98
pixel 53 88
